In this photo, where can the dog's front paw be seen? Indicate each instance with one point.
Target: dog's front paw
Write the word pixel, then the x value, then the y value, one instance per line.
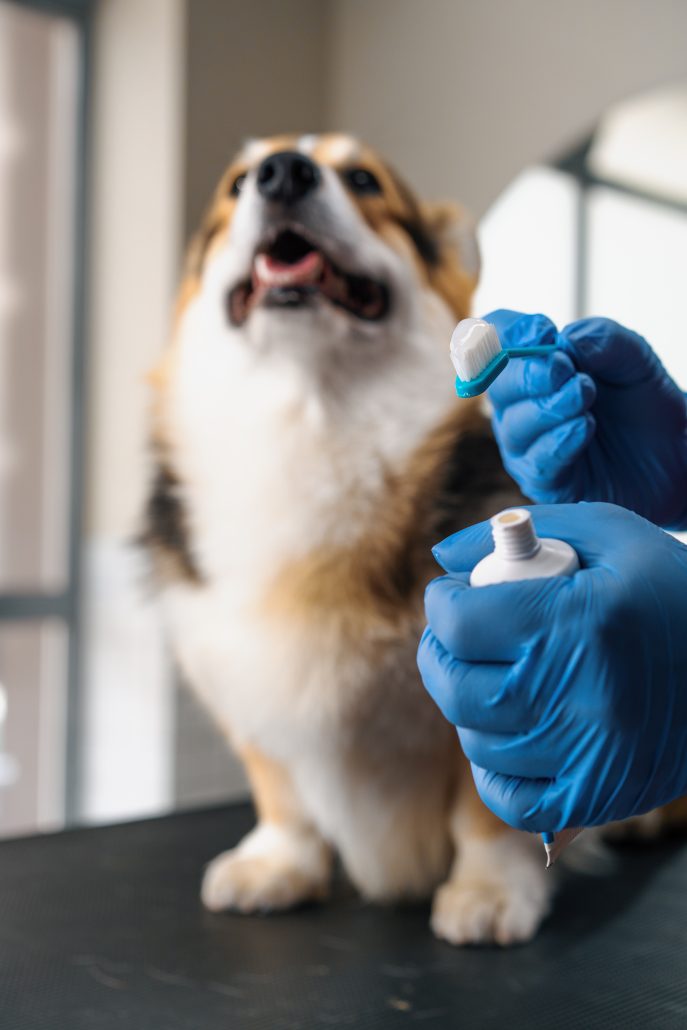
pixel 484 913
pixel 498 894
pixel 273 868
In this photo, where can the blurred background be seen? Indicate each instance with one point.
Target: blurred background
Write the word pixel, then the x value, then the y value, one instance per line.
pixel 562 125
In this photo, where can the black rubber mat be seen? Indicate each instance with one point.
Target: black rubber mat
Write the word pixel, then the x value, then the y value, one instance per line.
pixel 102 929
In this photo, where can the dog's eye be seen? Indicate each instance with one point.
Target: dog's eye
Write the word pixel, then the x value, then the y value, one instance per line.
pixel 362 181
pixel 237 184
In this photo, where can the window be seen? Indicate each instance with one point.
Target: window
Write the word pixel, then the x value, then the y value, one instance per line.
pixel 42 66
pixel 603 230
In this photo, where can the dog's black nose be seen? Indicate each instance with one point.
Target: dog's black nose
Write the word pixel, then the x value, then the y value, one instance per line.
pixel 287 176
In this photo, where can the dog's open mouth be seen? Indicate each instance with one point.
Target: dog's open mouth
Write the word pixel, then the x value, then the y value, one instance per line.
pixel 291 271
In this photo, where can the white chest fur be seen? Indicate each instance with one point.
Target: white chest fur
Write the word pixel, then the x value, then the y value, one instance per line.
pixel 279 454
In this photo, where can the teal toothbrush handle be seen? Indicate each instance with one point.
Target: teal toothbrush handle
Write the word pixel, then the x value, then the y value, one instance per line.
pixel 542 350
pixel 474 387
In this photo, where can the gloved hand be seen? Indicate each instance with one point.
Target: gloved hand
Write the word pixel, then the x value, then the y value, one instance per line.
pixel 570 693
pixel 600 419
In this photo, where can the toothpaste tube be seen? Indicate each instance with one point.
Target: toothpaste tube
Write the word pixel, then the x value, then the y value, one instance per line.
pixel 520 554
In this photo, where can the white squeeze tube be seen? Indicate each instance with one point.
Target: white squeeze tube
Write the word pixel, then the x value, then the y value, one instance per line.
pixel 520 554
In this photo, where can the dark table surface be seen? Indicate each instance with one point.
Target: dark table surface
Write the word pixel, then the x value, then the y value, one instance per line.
pixel 102 929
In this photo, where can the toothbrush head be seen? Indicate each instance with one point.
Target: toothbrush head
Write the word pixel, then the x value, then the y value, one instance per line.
pixel 477 356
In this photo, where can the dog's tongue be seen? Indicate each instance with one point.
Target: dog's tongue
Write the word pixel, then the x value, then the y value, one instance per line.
pixel 268 272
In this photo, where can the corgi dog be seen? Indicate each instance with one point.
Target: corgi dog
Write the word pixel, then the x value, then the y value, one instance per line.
pixel 309 450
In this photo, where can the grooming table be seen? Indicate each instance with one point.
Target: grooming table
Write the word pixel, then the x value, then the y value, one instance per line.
pixel 102 929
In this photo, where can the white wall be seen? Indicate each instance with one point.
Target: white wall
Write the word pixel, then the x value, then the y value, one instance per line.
pixel 137 126
pixel 135 243
pixel 252 69
pixel 462 94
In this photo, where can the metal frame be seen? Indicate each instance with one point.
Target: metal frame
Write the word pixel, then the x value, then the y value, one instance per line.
pixel 66 605
pixel 76 9
pixel 574 163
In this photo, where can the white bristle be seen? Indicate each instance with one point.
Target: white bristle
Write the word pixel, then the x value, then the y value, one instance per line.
pixel 473 345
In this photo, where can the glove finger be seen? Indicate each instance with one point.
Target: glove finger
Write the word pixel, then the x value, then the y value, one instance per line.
pixel 510 754
pixel 522 803
pixel 523 378
pixel 517 329
pixel 460 552
pixel 550 456
pixel 502 319
pixel 609 351
pixel 489 624
pixel 470 695
pixel 519 425
pixel 601 533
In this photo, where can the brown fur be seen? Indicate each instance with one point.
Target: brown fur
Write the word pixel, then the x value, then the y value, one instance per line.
pixel 379 584
pixel 270 782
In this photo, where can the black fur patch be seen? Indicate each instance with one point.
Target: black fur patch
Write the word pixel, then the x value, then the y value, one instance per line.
pixel 475 484
pixel 424 241
pixel 166 532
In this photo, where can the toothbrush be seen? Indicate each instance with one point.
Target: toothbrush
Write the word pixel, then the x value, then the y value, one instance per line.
pixel 478 356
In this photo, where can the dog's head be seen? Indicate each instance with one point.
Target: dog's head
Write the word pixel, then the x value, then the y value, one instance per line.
pixel 309 356
pixel 313 246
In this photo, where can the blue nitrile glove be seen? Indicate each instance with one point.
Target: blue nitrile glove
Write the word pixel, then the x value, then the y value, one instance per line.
pixel 598 420
pixel 570 693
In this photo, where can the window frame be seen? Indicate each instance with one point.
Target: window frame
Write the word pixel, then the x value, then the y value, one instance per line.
pixel 66 605
pixel 575 164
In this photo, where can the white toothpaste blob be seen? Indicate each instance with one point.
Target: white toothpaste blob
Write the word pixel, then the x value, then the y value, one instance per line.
pixel 520 554
pixel 474 344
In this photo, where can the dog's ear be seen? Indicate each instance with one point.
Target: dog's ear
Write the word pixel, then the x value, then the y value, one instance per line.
pixel 453 226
